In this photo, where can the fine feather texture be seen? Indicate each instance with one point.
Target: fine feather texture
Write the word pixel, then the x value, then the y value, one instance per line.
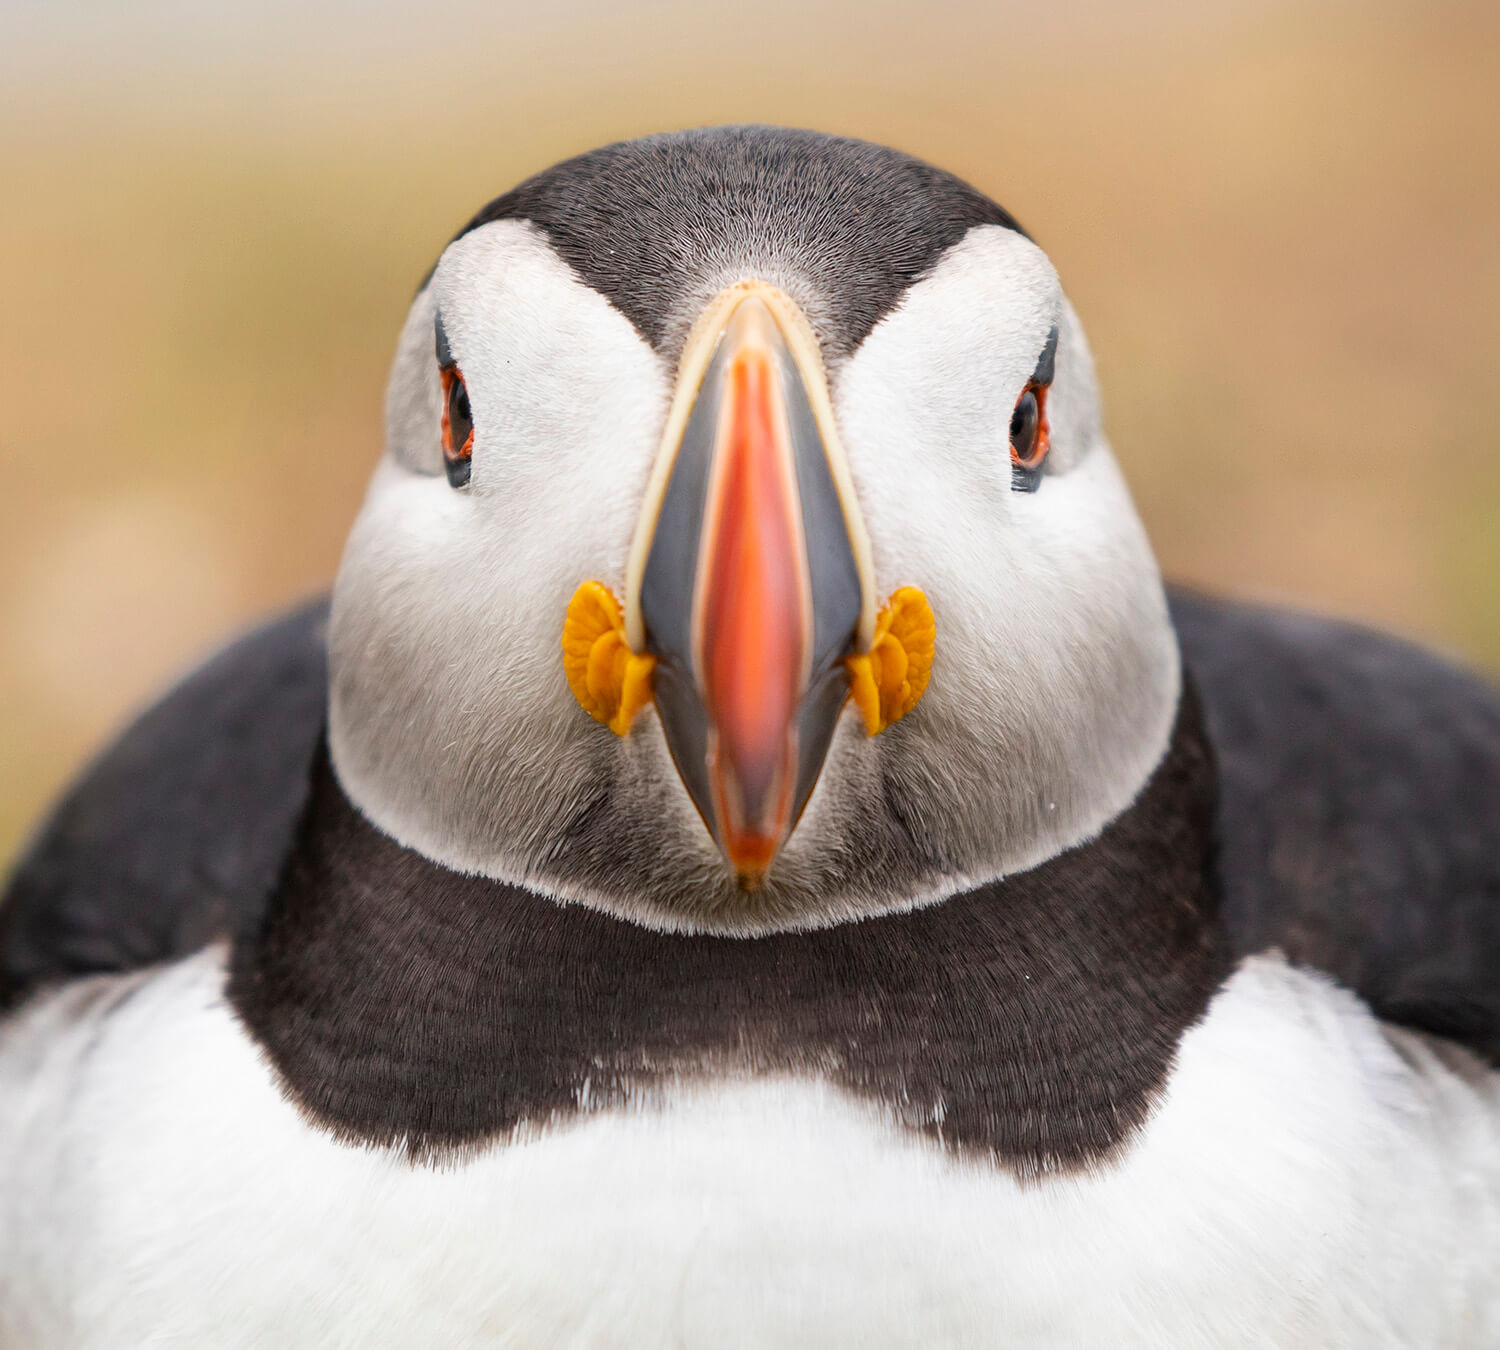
pixel 452 728
pixel 1319 853
pixel 1360 815
pixel 1308 1180
pixel 1031 1022
pixel 660 225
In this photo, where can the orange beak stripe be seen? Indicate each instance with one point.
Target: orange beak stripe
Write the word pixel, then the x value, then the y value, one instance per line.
pixel 753 620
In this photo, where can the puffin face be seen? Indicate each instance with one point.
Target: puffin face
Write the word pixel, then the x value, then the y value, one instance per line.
pixel 739 416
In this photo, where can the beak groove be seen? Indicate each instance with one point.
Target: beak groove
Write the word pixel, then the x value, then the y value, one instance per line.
pixel 750 580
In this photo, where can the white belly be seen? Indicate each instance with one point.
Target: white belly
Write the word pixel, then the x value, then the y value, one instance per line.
pixel 1309 1180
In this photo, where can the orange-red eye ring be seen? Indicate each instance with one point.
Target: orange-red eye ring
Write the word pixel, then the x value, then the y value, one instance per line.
pixel 453 376
pixel 1041 442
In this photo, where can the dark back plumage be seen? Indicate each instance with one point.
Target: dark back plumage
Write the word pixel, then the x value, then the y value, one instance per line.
pixel 1359 805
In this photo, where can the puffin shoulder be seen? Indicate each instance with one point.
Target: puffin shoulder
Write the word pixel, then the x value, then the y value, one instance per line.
pixel 175 834
pixel 1360 801
pixel 1359 816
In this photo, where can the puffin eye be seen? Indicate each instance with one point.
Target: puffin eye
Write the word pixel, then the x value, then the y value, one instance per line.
pixel 458 427
pixel 1028 438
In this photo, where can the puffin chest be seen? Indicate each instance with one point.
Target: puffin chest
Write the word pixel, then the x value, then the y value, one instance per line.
pixel 1260 1202
pixel 1028 1023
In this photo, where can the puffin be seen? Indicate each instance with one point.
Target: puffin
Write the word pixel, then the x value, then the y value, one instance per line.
pixel 752 854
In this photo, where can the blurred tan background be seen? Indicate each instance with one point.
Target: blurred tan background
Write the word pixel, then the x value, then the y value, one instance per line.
pixel 1281 224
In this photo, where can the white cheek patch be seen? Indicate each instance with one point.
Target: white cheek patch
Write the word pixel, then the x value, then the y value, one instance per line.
pixel 561 386
pixel 1073 405
pixel 413 398
pixel 1056 676
pixel 451 722
pixel 961 347
pixel 968 339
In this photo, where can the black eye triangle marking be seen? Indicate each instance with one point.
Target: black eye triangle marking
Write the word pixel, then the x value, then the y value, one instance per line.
pixel 1046 363
pixel 444 354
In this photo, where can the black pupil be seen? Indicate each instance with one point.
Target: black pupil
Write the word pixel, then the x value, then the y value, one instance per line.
pixel 1023 426
pixel 460 424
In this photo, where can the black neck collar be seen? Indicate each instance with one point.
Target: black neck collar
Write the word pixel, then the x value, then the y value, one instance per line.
pixel 1033 1020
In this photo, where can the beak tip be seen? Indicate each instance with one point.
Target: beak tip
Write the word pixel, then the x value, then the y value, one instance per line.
pixel 750 855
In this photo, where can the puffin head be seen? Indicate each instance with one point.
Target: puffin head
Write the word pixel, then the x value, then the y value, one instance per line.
pixel 746 552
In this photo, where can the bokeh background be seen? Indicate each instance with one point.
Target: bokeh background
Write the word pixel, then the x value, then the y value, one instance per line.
pixel 1281 224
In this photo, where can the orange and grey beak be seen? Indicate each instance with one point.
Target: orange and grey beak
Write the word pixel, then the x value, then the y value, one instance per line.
pixel 750 580
pixel 749 615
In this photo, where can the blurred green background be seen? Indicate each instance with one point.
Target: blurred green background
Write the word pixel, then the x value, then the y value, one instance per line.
pixel 1280 223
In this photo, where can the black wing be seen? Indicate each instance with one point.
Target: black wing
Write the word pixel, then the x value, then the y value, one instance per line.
pixel 1359 818
pixel 175 834
pixel 1359 815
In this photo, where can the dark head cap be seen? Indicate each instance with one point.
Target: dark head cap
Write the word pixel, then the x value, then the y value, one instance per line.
pixel 660 225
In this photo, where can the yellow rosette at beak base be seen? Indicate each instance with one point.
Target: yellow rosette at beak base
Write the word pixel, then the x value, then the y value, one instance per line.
pixel 887 681
pixel 613 683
